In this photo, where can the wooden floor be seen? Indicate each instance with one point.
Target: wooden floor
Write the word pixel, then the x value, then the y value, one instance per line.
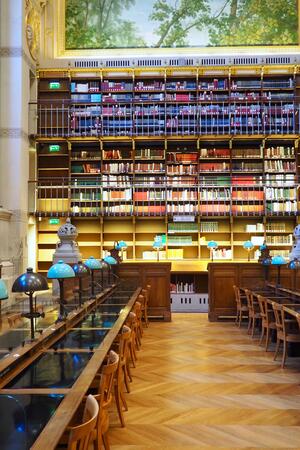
pixel 201 385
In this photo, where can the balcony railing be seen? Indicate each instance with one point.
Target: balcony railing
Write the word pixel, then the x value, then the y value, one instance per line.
pixel 96 196
pixel 59 118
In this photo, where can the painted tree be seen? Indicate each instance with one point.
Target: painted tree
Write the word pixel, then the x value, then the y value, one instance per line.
pixel 176 18
pixel 255 22
pixel 99 24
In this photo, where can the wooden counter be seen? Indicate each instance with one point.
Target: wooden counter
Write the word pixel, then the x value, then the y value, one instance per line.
pixel 222 276
pixel 157 274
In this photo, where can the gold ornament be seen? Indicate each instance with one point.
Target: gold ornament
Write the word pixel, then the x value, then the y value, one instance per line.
pixel 32 30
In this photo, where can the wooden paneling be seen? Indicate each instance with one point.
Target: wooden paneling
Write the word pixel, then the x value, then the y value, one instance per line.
pixel 222 277
pixel 158 276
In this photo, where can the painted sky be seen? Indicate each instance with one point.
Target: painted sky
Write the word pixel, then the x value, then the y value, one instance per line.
pixel 145 27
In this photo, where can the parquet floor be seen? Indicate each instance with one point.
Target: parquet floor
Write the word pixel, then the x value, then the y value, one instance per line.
pixel 202 385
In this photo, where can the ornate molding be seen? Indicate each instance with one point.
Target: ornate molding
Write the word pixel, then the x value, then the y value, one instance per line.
pixel 16 52
pixel 15 133
pixel 5 214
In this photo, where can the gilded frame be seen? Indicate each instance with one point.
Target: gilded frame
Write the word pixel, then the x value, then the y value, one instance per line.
pixel 61 52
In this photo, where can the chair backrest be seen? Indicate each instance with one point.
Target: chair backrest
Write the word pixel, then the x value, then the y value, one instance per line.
pixel 80 436
pixel 249 297
pixel 13 319
pixel 279 317
pixel 137 309
pixel 131 320
pixel 263 307
pixel 124 338
pixel 107 378
pixel 237 296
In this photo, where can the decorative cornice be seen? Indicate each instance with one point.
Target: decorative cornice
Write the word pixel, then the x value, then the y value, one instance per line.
pixel 16 52
pixel 5 214
pixel 15 133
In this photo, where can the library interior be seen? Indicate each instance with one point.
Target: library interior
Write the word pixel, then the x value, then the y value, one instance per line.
pixel 149 224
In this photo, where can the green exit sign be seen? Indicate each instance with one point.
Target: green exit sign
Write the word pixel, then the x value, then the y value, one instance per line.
pixel 54 85
pixel 54 148
pixel 53 221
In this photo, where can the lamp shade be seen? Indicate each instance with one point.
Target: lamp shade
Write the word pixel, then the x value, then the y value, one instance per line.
pixel 266 261
pixel 212 244
pixel 157 245
pixel 81 270
pixel 263 247
pixel 248 245
pixel 110 260
pixel 30 282
pixel 278 260
pixel 105 265
pixel 294 264
pixel 60 270
pixel 3 290
pixel 120 245
pixel 93 263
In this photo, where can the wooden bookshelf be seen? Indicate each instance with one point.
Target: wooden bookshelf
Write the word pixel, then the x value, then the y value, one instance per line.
pixel 135 150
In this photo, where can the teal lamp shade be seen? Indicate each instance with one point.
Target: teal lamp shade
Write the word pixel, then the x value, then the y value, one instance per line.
pixel 278 260
pixel 3 290
pixel 93 263
pixel 294 264
pixel 60 270
pixel 212 245
pixel 110 260
pixel 248 245
pixel 157 245
pixel 121 245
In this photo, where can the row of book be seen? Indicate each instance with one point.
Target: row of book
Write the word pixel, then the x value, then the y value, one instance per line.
pixel 212 84
pixel 285 239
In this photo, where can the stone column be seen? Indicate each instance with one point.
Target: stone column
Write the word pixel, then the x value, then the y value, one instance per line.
pixel 16 64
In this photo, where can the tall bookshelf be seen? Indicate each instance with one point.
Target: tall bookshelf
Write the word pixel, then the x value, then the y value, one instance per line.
pixel 125 151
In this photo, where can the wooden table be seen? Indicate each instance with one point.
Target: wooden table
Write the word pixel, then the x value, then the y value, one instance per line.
pixel 73 395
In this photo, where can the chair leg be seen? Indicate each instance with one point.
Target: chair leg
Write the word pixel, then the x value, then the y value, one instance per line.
pixel 240 319
pixel 277 349
pixel 118 400
pixel 105 441
pixel 126 379
pixel 267 339
pixel 250 320
pixel 262 335
pixel 146 317
pixel 253 327
pixel 284 354
pixel 123 399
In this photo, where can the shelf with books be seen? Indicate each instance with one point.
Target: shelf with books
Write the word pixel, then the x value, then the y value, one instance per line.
pixel 117 229
pixel 150 150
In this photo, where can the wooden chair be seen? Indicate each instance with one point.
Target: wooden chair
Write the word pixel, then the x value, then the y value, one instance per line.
pixel 80 436
pixel 122 376
pixel 14 320
pixel 131 322
pixel 241 306
pixel 267 320
pixel 287 330
pixel 253 312
pixel 146 294
pixel 104 399
pixel 137 309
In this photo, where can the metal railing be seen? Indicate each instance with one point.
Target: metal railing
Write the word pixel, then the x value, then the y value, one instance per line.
pixel 195 195
pixel 59 118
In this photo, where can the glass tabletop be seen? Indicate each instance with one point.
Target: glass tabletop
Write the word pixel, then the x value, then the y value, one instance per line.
pixel 83 339
pixel 51 370
pixel 107 309
pixel 14 338
pixel 23 417
pixel 115 301
pixel 98 320
pixel 42 322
